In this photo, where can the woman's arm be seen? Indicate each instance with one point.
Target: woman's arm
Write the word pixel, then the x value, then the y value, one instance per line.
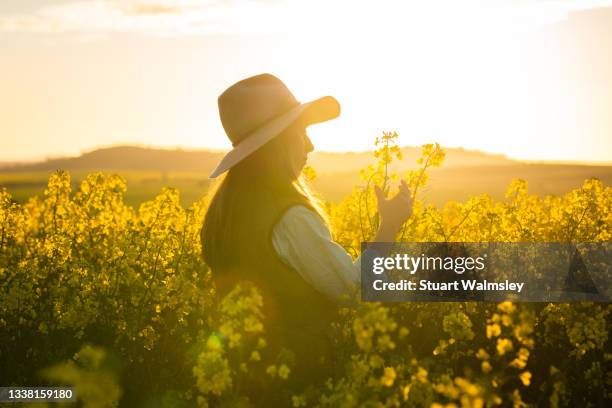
pixel 303 241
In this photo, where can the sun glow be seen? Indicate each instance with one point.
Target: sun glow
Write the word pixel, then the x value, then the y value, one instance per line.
pixel 518 78
pixel 485 76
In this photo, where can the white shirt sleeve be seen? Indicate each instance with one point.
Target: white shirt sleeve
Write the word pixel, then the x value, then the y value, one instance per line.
pixel 302 241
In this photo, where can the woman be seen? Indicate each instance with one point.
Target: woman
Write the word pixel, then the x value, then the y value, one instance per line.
pixel 263 225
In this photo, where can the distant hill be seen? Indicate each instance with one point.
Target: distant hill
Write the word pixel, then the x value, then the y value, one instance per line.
pixel 331 162
pixel 464 173
pixel 165 160
pixel 128 158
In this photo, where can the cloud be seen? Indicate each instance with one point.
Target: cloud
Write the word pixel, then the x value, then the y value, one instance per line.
pixel 181 17
pixel 149 8
pixel 146 16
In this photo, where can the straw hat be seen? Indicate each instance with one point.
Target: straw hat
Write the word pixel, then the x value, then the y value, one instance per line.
pixel 257 109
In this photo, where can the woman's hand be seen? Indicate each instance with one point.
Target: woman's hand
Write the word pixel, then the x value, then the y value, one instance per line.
pixel 395 211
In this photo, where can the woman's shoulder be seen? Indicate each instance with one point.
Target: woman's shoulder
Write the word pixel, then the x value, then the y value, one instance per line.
pixel 299 217
pixel 298 214
pixel 299 210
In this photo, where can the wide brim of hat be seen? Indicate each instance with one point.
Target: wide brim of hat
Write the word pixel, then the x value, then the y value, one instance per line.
pixel 317 111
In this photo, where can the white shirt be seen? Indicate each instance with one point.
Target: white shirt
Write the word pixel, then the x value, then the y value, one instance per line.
pixel 302 241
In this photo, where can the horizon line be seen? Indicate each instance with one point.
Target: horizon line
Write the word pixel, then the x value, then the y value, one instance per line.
pixel 222 151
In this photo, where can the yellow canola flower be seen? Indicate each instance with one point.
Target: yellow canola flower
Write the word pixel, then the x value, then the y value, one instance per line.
pixel 406 392
pixel 376 361
pixel 255 356
pixel 493 330
pixel 521 359
pixel 506 307
pixel 503 346
pixel 421 375
pixel 261 343
pixel 482 354
pixel 298 401
pixel 525 378
pixel 283 371
pixel 506 320
pixel 388 377
pixel 214 342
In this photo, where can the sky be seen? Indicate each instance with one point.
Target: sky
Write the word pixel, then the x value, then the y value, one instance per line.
pixel 528 79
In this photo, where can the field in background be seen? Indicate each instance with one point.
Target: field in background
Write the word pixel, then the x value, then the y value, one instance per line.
pixel 460 183
pixel 446 184
pixel 147 170
pixel 142 185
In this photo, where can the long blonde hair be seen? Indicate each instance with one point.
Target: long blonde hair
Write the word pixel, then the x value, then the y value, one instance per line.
pixel 249 201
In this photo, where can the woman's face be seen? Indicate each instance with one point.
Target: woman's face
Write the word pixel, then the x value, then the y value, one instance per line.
pixel 300 146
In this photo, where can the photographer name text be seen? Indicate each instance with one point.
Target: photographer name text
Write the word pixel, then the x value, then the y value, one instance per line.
pixel 465 285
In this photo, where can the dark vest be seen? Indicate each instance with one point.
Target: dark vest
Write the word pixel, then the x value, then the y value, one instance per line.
pixel 297 316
